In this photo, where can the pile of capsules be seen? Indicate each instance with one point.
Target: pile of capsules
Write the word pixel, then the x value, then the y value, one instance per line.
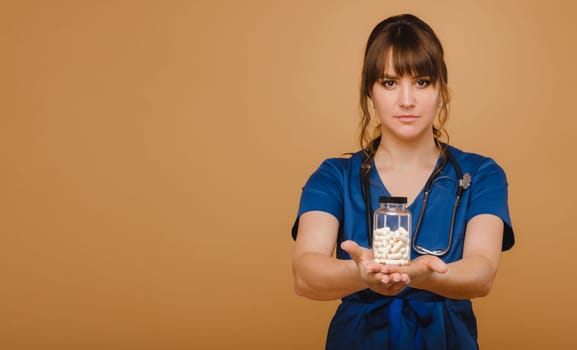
pixel 391 247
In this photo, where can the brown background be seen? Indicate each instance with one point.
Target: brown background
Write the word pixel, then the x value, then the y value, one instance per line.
pixel 152 155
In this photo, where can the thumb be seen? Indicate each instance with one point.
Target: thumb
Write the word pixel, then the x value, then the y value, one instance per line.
pixel 354 250
pixel 437 265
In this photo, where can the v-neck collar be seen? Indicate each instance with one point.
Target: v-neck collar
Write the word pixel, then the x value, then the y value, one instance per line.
pixel 377 181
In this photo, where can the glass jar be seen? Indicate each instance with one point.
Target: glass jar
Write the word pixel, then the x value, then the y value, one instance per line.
pixel 392 231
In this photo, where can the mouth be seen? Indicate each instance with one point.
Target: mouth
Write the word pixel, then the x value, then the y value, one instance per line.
pixel 407 118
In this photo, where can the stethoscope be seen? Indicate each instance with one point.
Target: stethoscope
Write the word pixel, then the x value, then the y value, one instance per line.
pixel 462 184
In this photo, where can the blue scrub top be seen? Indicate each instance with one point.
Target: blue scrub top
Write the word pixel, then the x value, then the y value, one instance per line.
pixel 414 319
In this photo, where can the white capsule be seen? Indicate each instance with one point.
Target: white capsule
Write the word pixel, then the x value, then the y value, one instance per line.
pixel 395 248
pixel 395 256
pixel 392 262
pixel 403 238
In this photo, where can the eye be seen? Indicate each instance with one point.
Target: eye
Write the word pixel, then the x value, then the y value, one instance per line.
pixel 388 83
pixel 423 82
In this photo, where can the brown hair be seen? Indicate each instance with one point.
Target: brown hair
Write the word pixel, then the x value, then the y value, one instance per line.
pixel 416 51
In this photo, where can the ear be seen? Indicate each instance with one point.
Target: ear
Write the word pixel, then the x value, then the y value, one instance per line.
pixel 370 101
pixel 368 91
pixel 441 103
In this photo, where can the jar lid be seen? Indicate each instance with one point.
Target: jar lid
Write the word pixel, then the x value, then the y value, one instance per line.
pixel 398 200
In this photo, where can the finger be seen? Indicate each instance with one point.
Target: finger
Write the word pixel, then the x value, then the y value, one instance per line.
pixel 405 278
pixel 399 277
pixel 354 250
pixel 372 267
pixel 393 268
pixel 385 279
pixel 387 268
pixel 394 278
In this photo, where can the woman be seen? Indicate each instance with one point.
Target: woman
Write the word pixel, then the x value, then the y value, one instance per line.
pixel 458 201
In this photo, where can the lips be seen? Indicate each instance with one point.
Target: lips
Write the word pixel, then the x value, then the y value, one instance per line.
pixel 407 118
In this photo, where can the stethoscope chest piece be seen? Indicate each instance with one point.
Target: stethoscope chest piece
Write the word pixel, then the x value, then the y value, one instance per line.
pixel 465 182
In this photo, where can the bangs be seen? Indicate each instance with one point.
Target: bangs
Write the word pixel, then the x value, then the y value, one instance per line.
pixel 408 60
pixel 411 53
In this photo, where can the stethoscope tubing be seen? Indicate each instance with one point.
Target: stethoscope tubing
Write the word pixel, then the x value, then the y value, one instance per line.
pixel 462 184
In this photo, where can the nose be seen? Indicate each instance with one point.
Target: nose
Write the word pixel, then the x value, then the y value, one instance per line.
pixel 407 95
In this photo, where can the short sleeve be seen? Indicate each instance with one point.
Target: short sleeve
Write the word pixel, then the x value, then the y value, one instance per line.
pixel 489 195
pixel 323 192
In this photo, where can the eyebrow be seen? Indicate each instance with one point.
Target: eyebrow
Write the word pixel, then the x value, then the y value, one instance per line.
pixel 395 77
pixel 389 76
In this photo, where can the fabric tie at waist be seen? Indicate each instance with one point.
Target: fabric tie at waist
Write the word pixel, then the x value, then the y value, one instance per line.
pixel 434 315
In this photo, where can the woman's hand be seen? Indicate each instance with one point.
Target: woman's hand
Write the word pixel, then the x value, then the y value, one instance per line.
pixel 378 277
pixel 420 269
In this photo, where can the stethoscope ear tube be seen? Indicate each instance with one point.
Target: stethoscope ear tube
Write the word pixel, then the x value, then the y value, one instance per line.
pixel 366 166
pixel 366 192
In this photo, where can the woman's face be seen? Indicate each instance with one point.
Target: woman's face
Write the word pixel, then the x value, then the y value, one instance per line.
pixel 405 105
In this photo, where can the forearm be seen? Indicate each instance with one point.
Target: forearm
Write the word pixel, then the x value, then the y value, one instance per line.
pixel 467 278
pixel 321 277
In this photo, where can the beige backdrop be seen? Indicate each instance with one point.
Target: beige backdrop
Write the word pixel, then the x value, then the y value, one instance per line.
pixel 152 155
